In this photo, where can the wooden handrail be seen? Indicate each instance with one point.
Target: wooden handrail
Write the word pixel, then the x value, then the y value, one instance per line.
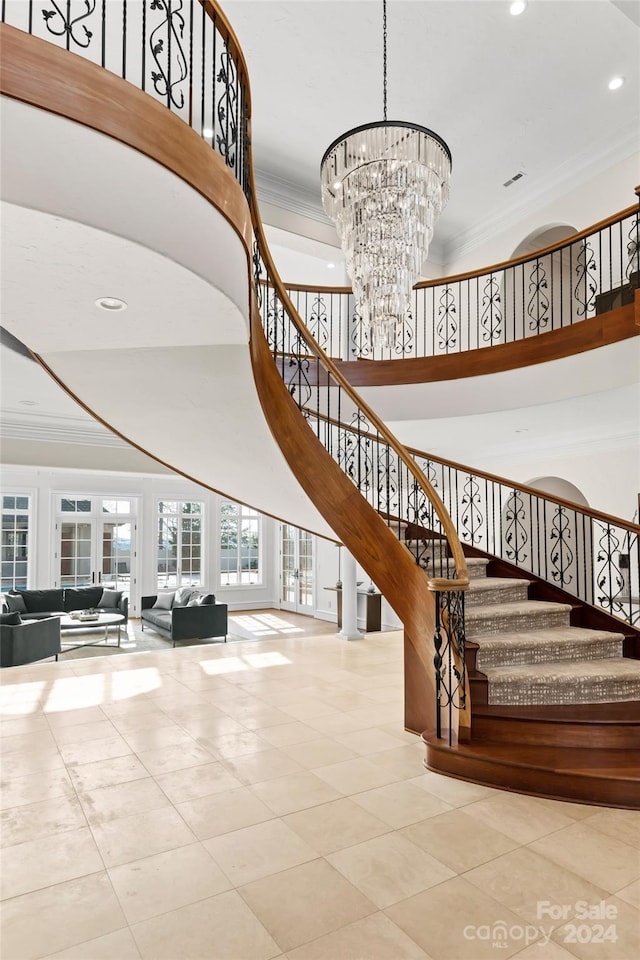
pixel 494 268
pixel 450 531
pixel 526 258
pixel 494 478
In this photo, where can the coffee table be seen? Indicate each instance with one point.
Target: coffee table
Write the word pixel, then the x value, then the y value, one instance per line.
pixel 103 621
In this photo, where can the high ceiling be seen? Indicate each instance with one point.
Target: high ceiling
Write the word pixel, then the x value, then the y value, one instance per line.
pixel 508 94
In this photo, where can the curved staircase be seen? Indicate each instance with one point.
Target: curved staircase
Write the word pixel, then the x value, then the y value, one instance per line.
pixel 360 477
pixel 555 708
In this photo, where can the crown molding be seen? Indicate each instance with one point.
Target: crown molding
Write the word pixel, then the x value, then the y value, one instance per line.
pixel 528 449
pixel 287 195
pixel 582 169
pixel 50 428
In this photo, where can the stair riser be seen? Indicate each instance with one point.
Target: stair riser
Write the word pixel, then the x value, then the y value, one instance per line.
pixel 610 736
pixel 566 652
pixel 538 694
pixel 607 791
pixel 477 626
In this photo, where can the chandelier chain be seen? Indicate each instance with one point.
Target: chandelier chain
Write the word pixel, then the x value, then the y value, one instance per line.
pixel 384 56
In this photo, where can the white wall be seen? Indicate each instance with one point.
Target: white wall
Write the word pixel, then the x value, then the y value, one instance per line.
pixel 581 207
pixel 608 476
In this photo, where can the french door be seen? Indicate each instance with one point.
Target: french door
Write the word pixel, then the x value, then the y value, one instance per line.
pixel 296 569
pixel 94 549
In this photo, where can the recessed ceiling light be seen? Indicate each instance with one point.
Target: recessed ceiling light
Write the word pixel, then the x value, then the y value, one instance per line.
pixel 517 7
pixel 330 266
pixel 112 304
pixel 207 132
pixel 615 83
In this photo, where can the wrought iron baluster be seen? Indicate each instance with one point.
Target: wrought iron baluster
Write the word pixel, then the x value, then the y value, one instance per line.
pixel 62 24
pixel 561 553
pixel 447 328
pixel 449 657
pixel 538 306
pixel 103 42
pixel 585 284
pixel 124 39
pixel 609 578
pixel 190 69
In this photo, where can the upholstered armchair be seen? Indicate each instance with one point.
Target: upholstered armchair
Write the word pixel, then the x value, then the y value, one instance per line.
pixel 25 642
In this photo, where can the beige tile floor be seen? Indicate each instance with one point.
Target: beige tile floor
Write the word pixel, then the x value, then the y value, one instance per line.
pixel 261 800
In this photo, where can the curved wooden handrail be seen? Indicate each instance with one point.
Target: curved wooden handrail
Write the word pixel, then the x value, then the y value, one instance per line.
pixel 599 331
pixel 522 487
pixel 36 72
pixel 566 298
pixel 341 381
pixel 493 268
pixel 526 258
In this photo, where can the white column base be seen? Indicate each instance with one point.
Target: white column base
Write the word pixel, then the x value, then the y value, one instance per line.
pixel 349 629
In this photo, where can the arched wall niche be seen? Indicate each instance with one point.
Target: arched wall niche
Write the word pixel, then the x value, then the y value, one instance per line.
pixel 558 487
pixel 541 292
pixel 542 237
pixel 539 534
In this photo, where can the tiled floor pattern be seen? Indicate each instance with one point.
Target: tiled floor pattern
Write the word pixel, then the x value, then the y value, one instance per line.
pixel 261 800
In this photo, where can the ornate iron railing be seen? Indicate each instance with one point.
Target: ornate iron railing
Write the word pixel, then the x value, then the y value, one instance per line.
pixel 567 283
pixel 590 555
pixel 449 659
pixel 180 52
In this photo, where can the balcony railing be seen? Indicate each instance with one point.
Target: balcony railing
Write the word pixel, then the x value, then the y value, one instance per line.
pixel 564 284
pixel 180 52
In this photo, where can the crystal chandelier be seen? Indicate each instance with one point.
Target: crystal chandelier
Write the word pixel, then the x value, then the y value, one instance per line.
pixel 384 185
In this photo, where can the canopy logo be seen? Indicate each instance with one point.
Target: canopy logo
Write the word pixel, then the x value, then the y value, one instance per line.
pixel 580 922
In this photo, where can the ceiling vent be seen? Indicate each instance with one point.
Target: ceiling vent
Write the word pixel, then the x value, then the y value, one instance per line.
pixel 517 176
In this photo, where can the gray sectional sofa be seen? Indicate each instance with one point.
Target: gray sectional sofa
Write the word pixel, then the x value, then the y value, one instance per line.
pixel 185 614
pixel 41 604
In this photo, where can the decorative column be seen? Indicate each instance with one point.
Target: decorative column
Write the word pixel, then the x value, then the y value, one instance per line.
pixel 349 629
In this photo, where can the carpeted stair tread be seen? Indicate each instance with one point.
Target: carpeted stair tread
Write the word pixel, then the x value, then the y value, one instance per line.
pixel 604 681
pixel 546 645
pixel 491 590
pixel 515 617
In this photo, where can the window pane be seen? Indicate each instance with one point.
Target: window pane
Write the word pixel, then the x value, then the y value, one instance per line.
pixel 15 528
pixel 179 559
pixel 239 545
